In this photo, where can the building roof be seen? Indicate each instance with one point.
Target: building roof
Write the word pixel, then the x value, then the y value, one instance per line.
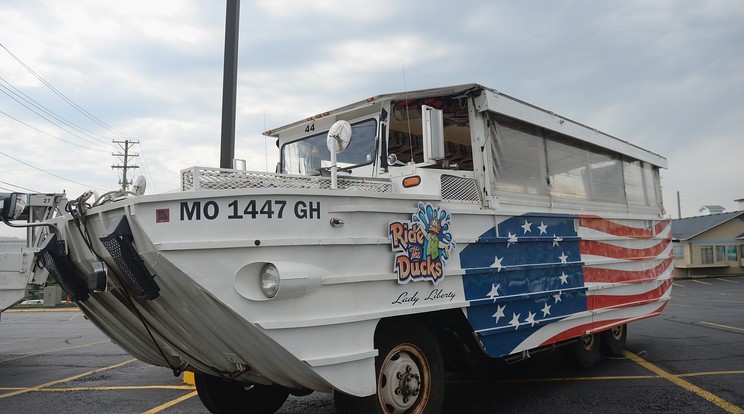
pixel 687 228
pixel 712 207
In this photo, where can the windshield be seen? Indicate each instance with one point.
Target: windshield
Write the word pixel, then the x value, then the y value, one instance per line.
pixel 308 155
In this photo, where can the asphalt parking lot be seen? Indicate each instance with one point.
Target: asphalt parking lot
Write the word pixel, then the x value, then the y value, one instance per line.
pixel 689 360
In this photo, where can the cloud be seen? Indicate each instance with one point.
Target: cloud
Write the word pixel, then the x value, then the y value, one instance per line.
pixel 665 75
pixel 328 11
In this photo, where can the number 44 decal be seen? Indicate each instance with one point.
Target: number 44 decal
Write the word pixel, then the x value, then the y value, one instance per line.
pixel 310 128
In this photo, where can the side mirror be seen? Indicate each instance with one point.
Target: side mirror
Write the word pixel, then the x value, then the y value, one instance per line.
pixel 338 139
pixel 432 120
pixel 13 205
pixel 339 136
pixel 140 185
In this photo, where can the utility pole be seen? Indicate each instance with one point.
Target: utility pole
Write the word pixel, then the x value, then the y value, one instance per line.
pixel 679 207
pixel 124 159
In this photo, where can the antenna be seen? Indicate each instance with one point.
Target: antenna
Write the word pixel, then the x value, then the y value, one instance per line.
pixel 266 147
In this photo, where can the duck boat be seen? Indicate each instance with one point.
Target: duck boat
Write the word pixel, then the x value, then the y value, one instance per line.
pixel 401 236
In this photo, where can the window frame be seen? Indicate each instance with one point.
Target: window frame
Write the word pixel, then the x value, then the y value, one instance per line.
pixel 576 172
pixel 720 253
pixel 732 249
pixel 706 255
pixel 372 161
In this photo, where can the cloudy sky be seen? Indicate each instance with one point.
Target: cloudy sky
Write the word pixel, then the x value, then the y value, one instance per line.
pixel 665 75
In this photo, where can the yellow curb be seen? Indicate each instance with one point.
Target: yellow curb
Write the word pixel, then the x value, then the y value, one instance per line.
pixel 188 378
pixel 44 310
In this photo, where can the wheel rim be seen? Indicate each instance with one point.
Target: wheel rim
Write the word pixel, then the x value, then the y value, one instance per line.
pixel 587 342
pixel 403 381
pixel 617 333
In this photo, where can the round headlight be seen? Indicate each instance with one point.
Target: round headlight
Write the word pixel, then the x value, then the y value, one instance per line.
pixel 269 280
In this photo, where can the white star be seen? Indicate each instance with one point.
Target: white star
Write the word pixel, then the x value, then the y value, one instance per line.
pixel 564 278
pixel 515 320
pixel 546 310
pixel 527 227
pixel 512 240
pixel 494 292
pixel 497 263
pixel 499 313
pixel 557 297
pixel 563 257
pixel 530 319
pixel 556 240
pixel 543 228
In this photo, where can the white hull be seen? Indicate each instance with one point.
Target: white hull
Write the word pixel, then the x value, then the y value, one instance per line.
pixel 211 314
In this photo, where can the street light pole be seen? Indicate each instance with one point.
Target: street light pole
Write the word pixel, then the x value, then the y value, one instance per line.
pixel 229 84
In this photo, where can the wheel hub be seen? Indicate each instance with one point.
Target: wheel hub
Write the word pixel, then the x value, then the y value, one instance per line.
pixel 403 383
pixel 587 341
pixel 409 384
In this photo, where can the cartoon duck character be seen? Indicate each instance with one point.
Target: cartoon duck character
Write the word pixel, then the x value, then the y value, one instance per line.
pixel 432 248
pixel 434 224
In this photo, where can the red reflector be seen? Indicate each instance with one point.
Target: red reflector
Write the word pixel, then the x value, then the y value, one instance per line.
pixel 409 182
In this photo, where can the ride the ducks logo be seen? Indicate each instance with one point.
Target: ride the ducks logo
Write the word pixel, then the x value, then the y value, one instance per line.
pixel 423 245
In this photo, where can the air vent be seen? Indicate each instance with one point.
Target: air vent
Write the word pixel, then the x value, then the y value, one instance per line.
pixel 460 189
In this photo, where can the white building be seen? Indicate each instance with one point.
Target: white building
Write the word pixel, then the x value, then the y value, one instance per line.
pixel 708 210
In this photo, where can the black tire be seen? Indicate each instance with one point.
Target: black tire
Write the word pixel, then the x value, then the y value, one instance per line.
pixel 409 371
pixel 613 340
pixel 583 353
pixel 221 396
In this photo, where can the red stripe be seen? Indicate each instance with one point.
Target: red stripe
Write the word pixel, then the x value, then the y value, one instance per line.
pixel 598 248
pixel 617 229
pixel 599 325
pixel 602 275
pixel 661 226
pixel 624 301
pixel 569 333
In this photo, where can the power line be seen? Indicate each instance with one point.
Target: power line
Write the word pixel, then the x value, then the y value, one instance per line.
pixel 14 185
pixel 58 93
pixel 47 172
pixel 46 133
pixel 70 102
pixel 20 95
pixel 147 170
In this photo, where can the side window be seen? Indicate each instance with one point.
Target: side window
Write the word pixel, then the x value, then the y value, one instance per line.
pixel 679 252
pixel 518 155
pixel 720 254
pixel 567 166
pixel 731 251
pixel 706 254
pixel 405 139
pixel 526 159
pixel 581 171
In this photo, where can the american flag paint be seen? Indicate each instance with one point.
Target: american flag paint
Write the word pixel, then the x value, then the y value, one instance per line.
pixel 536 279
